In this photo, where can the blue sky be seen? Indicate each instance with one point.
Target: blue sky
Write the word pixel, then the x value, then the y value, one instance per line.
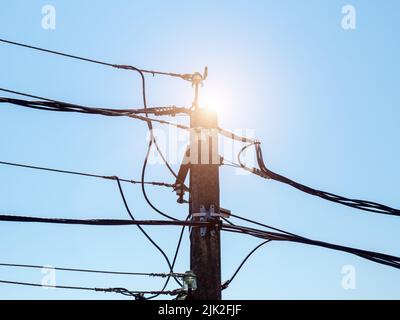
pixel 323 101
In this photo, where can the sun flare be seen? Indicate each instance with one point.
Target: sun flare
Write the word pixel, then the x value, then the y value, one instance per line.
pixel 211 101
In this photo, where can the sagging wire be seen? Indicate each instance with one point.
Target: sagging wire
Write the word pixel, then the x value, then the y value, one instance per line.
pixel 264 172
pixel 136 294
pixel 124 273
pixel 185 76
pixel 377 257
pixel 145 233
pixel 47 104
pixel 141 72
pixel 228 282
pixel 85 174
pixel 174 259
pixel 101 222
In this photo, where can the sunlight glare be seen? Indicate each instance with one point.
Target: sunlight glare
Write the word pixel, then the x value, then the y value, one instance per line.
pixel 211 101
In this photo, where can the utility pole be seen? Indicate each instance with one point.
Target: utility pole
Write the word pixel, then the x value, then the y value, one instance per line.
pixel 205 252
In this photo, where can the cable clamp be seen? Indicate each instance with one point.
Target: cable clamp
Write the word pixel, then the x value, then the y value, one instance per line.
pixel 224 213
pixel 225 285
pixel 209 215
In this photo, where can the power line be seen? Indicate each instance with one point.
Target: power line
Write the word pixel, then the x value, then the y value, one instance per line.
pixel 150 127
pixel 173 260
pixel 55 105
pixel 228 282
pixel 377 257
pixel 229 163
pixel 152 274
pixel 187 77
pixel 85 174
pixel 122 291
pixel 141 72
pixel 114 222
pixel 59 106
pixel 263 225
pixel 145 233
pixel 234 136
pixel 152 140
pixel 264 172
pixel 101 222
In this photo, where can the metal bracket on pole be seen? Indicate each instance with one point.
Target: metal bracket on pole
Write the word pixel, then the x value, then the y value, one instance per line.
pixel 204 215
pixel 208 215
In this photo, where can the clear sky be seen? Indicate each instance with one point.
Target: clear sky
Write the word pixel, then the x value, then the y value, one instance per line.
pixel 323 101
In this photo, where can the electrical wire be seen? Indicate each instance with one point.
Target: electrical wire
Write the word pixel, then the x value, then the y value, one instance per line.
pixel 377 257
pixel 47 104
pixel 187 77
pixel 145 233
pixel 262 171
pixel 229 163
pixel 143 185
pixel 364 205
pixel 175 256
pixel 263 225
pixel 85 174
pixel 55 105
pixel 102 222
pixel 228 282
pixel 174 259
pixel 123 291
pixel 234 136
pixel 59 106
pixel 227 221
pixel 153 140
pixel 372 256
pixel 126 67
pixel 108 222
pixel 30 266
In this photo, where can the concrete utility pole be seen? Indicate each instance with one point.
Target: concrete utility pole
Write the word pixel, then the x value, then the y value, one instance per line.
pixel 205 253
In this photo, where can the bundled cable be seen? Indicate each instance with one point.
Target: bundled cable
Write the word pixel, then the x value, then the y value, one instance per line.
pixel 264 172
pixel 187 77
pixel 53 105
pixel 124 273
pixel 380 258
pixel 139 295
pixel 102 222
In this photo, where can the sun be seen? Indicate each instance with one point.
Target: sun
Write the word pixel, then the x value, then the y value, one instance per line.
pixel 210 101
